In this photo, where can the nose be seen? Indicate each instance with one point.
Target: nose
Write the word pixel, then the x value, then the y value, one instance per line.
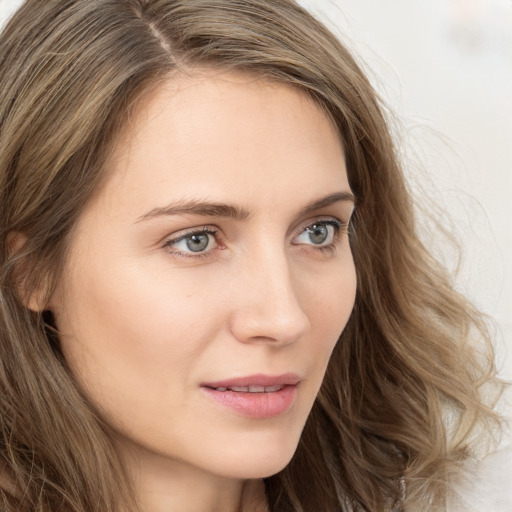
pixel 266 305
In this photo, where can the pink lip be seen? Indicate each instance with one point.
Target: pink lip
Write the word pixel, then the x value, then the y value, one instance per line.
pixel 255 405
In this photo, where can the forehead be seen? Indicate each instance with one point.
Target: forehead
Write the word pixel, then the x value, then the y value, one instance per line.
pixel 201 93
pixel 208 129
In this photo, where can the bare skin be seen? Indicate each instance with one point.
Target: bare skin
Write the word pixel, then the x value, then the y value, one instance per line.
pixel 163 293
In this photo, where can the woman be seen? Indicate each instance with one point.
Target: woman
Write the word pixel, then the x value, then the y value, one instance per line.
pixel 213 295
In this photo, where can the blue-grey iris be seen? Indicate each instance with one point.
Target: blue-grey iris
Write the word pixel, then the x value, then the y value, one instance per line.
pixel 318 233
pixel 197 243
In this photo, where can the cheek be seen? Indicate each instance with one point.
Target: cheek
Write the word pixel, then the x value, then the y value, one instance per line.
pixel 329 304
pixel 127 334
pixel 330 300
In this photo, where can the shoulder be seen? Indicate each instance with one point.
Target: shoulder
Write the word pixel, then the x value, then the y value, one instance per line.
pixel 485 486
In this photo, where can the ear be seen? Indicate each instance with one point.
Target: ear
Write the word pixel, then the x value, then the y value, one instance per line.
pixel 31 299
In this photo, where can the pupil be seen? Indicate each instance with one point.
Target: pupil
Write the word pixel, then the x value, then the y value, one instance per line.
pixel 197 243
pixel 318 234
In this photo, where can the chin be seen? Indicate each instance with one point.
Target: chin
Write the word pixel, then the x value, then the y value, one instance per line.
pixel 257 458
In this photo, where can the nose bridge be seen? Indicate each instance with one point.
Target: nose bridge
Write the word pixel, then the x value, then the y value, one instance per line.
pixel 269 306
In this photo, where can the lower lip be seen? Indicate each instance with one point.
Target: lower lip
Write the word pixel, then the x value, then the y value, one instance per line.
pixel 256 405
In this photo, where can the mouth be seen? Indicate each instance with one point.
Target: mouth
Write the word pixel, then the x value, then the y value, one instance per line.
pixel 256 396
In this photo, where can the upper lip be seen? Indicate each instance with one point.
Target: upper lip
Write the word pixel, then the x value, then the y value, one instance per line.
pixel 286 379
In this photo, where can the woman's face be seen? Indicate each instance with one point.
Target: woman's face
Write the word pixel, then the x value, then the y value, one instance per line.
pixel 214 257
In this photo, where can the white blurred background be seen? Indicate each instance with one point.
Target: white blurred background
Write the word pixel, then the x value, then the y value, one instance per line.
pixel 445 67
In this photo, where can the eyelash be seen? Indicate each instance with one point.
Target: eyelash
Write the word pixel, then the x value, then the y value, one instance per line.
pixel 206 230
pixel 338 226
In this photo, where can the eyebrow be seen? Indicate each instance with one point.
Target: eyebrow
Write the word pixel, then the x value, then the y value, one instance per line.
pixel 345 197
pixel 211 209
pixel 197 207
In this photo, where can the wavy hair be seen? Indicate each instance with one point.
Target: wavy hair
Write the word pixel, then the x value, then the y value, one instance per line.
pixel 401 405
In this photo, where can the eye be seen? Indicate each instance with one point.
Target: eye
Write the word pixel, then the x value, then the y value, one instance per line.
pixel 321 234
pixel 193 243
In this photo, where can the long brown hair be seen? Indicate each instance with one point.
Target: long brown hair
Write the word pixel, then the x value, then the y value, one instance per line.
pixel 401 403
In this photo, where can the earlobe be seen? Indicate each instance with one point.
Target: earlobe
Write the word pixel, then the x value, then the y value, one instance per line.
pixel 35 299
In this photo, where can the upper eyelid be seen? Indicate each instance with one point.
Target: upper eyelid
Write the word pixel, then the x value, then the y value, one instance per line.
pixel 184 233
pixel 215 230
pixel 322 218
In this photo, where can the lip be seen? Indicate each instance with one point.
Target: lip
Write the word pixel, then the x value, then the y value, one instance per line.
pixel 256 405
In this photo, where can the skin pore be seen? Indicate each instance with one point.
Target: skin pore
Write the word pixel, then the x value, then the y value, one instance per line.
pixel 216 249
